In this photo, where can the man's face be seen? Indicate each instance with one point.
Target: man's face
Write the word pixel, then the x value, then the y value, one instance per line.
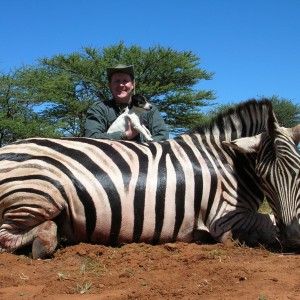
pixel 121 86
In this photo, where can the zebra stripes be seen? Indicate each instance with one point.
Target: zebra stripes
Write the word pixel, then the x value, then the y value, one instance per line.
pixel 113 192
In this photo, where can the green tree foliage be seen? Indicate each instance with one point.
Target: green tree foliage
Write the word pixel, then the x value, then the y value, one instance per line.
pixel 50 99
pixel 67 85
pixel 287 113
pixel 18 118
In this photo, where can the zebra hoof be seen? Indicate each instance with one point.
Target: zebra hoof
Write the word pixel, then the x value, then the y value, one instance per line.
pixel 203 237
pixel 45 242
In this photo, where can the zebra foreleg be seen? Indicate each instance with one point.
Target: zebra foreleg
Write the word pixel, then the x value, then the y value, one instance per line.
pixel 203 237
pixel 42 237
pixel 253 229
pixel 259 230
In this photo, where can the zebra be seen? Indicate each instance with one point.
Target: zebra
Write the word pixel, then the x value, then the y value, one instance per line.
pixel 205 185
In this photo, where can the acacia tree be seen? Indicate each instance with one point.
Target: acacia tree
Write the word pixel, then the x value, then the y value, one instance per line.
pixel 287 113
pixel 69 84
pixel 18 118
pixel 58 94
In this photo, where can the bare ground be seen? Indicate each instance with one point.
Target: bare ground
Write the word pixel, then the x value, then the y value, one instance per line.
pixel 141 271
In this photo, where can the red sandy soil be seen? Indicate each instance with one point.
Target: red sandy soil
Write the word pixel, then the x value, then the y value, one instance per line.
pixel 141 271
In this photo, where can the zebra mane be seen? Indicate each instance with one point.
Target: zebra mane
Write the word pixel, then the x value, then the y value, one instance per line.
pixel 245 119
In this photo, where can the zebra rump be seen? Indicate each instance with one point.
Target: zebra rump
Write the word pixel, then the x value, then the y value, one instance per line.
pixel 208 183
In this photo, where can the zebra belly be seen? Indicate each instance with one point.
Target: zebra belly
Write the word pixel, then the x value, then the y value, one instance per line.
pixel 113 227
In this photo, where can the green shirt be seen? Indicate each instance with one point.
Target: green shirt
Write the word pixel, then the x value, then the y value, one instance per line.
pixel 102 114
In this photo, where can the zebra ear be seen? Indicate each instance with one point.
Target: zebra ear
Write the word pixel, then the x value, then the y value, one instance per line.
pixel 245 144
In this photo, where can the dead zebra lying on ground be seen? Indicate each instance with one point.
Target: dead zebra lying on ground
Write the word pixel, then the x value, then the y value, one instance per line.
pixel 112 192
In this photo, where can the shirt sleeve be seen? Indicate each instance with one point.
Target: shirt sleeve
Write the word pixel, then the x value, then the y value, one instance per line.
pixel 98 119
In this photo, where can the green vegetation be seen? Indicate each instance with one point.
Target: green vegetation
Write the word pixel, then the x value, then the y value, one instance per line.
pixel 265 208
pixel 50 98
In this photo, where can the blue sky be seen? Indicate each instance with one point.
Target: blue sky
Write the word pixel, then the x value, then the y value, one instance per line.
pixel 252 46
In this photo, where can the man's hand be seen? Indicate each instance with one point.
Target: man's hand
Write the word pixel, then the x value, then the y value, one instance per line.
pixel 130 133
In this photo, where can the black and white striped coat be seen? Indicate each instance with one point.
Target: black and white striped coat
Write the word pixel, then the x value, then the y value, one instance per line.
pixel 207 183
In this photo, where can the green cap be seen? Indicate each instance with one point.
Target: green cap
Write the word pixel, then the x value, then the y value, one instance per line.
pixel 120 68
